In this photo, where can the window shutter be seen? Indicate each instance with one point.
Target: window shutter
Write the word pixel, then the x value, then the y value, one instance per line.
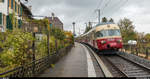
pixel 18 10
pixel 8 3
pixel 12 1
pixel 0 18
pixel 9 24
pixel 21 11
pixel 15 7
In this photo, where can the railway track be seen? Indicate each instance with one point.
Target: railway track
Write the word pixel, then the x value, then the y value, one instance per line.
pixel 126 67
pixel 119 66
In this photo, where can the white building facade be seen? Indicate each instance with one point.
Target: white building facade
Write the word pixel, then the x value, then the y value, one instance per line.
pixel 8 7
pixel 3 14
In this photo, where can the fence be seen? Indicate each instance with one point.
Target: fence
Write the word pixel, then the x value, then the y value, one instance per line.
pixel 133 49
pixel 37 66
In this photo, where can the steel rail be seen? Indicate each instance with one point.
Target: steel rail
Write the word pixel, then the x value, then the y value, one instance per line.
pixel 136 63
pixel 142 67
pixel 103 68
pixel 122 73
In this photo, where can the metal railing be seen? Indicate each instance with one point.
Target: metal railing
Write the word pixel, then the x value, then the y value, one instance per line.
pixel 38 66
pixel 136 50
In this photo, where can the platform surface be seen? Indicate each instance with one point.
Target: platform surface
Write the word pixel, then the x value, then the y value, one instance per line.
pixel 79 62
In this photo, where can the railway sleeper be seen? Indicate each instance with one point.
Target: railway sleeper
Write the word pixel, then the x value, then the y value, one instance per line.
pixel 138 75
pixel 131 69
pixel 138 71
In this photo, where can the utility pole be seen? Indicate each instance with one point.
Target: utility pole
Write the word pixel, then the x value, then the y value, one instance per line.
pixel 86 25
pixel 90 24
pixel 79 31
pixel 74 28
pixel 99 13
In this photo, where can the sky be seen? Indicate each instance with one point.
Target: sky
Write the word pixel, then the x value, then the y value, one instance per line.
pixel 83 11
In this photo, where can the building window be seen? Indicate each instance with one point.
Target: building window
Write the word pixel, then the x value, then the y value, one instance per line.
pixel 1 19
pixel 1 1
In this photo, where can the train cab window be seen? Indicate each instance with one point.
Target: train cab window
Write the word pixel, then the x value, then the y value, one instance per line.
pixel 99 34
pixel 112 32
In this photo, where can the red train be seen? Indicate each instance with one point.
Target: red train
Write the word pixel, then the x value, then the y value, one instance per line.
pixel 103 37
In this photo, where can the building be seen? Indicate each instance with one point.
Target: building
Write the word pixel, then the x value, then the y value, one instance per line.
pixel 55 22
pixel 11 14
pixel 3 14
pixel 26 14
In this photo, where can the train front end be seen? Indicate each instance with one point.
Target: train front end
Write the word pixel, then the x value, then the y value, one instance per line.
pixel 108 37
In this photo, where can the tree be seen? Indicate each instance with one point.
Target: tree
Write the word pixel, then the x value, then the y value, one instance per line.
pixel 111 20
pixel 147 37
pixel 127 30
pixel 87 29
pixel 104 19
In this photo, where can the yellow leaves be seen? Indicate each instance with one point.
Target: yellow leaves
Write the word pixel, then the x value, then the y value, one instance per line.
pixel 68 34
pixel 15 47
pixel 52 65
pixel 26 46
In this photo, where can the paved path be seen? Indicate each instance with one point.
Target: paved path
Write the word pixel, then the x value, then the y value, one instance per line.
pixel 78 63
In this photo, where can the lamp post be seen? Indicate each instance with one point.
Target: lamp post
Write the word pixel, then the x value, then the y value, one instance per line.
pixel 74 28
pixel 35 29
pixel 48 42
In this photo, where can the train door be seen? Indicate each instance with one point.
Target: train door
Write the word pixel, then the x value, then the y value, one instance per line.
pixel 93 39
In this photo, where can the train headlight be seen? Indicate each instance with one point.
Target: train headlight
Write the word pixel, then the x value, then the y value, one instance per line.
pixel 103 42
pixel 119 41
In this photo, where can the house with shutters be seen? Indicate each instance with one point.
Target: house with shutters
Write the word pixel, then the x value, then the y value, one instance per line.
pixel 55 22
pixel 3 14
pixel 11 14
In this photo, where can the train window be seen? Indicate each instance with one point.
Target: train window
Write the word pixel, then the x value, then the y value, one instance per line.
pixel 112 32
pixel 99 34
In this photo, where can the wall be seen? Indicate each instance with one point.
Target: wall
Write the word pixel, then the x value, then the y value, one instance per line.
pixel 3 10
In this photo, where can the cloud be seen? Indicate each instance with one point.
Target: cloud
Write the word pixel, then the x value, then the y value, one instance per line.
pixel 82 11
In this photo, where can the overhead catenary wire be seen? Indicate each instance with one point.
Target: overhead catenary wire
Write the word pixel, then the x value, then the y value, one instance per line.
pixel 117 8
pixel 86 18
pixel 105 8
pixel 106 5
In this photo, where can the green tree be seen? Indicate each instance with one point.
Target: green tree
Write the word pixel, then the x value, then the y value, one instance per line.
pixel 127 30
pixel 104 19
pixel 87 29
pixel 16 48
pixel 111 20
pixel 147 37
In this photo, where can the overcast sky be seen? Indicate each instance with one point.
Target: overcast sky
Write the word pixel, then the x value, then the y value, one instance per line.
pixel 82 11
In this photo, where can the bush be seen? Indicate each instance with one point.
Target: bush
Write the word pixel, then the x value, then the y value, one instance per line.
pixel 16 48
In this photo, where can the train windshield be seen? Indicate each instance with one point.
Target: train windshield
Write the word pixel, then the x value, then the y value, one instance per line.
pixel 111 32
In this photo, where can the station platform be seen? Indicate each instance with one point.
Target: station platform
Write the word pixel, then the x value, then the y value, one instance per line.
pixel 79 62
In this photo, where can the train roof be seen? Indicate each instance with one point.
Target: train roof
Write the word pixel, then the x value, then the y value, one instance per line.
pixel 95 28
pixel 104 23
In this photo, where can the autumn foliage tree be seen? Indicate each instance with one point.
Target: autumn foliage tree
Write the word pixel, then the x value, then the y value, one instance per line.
pixel 127 30
pixel 16 48
pixel 147 39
